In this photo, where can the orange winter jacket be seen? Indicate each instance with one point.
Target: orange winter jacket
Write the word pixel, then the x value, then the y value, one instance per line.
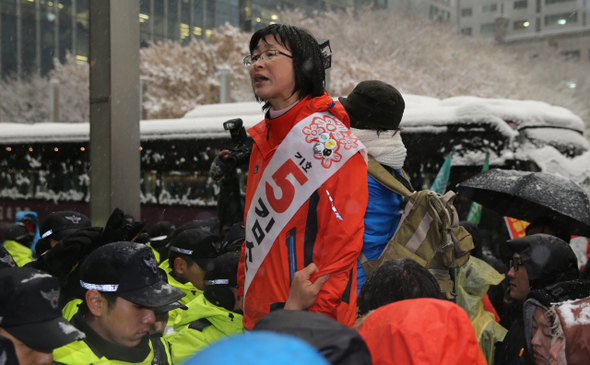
pixel 315 233
pixel 421 331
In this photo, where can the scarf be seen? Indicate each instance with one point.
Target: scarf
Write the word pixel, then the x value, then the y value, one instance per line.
pixel 387 149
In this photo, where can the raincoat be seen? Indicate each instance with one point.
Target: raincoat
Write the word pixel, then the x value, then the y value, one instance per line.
pixel 573 318
pixel 21 254
pixel 95 350
pixel 471 283
pixel 544 298
pixel 211 323
pixel 19 217
pixel 421 331
pixel 327 229
pixel 382 215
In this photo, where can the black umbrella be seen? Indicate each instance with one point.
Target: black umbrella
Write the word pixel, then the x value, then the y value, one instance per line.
pixel 531 195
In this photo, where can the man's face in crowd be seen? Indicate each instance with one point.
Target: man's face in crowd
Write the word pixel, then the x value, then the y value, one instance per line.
pixel 519 280
pixel 125 323
pixel 541 340
pixel 194 273
pixel 27 355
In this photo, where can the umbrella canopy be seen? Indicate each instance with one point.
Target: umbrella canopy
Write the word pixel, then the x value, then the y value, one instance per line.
pixel 531 195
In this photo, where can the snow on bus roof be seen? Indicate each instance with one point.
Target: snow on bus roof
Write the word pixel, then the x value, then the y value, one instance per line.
pixel 505 114
pixel 203 122
pixel 422 114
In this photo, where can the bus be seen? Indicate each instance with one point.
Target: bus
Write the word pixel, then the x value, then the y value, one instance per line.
pixel 44 166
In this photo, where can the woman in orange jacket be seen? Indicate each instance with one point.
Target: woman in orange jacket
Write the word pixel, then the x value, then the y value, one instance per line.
pixel 307 181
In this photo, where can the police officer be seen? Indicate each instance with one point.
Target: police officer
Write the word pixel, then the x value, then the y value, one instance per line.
pixel 30 317
pixel 123 288
pixel 215 314
pixel 189 253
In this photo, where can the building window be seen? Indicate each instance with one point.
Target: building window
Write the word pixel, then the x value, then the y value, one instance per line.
pixel 466 12
pixel 521 4
pixel 489 8
pixel 557 1
pixel 433 12
pixel 571 55
pixel 521 24
pixel 466 31
pixel 561 19
pixel 487 28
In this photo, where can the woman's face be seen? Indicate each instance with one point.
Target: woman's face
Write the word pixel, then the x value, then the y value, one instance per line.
pixel 273 81
pixel 541 340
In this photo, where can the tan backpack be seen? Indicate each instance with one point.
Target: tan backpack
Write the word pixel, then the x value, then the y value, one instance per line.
pixel 428 233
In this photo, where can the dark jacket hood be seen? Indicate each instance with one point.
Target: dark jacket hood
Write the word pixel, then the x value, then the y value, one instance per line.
pixel 547 259
pixel 339 344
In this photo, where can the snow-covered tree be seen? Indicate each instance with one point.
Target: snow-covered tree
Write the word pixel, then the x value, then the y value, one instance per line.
pixel 24 100
pixel 74 83
pixel 425 57
pixel 178 78
pixel 417 55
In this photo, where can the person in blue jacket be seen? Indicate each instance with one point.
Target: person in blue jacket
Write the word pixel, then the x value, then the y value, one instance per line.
pixel 31 221
pixel 375 109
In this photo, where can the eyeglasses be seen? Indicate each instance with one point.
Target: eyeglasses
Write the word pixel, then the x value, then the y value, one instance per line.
pixel 515 264
pixel 265 56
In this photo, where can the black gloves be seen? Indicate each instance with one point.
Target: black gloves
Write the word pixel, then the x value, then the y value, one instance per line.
pixel 120 229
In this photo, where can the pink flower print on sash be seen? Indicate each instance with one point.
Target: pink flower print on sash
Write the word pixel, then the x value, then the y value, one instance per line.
pixel 329 135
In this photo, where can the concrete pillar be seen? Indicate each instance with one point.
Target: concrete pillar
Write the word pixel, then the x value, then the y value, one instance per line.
pixel 114 99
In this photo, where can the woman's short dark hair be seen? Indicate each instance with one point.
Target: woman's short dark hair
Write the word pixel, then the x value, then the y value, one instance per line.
pixel 308 61
pixel 396 280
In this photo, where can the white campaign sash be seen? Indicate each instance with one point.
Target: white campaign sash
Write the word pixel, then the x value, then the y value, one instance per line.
pixel 315 148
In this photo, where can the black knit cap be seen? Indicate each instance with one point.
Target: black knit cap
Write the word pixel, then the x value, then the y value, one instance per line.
pixel 130 270
pixel 374 105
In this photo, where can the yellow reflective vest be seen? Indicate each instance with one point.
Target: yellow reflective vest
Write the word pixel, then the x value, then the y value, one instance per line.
pixel 79 353
pixel 71 308
pixel 21 254
pixel 188 288
pixel 200 325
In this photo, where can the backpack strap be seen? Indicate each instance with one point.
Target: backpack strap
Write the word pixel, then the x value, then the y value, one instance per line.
pixel 392 180
pixel 200 324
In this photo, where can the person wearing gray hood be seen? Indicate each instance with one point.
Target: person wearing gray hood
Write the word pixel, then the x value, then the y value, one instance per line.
pixel 538 321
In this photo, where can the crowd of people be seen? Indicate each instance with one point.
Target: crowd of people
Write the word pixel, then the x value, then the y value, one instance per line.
pixel 288 285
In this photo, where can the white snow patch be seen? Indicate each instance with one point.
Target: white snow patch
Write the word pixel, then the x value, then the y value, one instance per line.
pixel 568 316
pixel 68 328
pixel 35 276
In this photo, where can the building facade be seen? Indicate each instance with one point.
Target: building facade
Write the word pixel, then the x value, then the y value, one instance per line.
pixel 529 26
pixel 35 32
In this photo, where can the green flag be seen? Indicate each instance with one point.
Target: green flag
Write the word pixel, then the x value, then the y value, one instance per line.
pixel 442 179
pixel 475 212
